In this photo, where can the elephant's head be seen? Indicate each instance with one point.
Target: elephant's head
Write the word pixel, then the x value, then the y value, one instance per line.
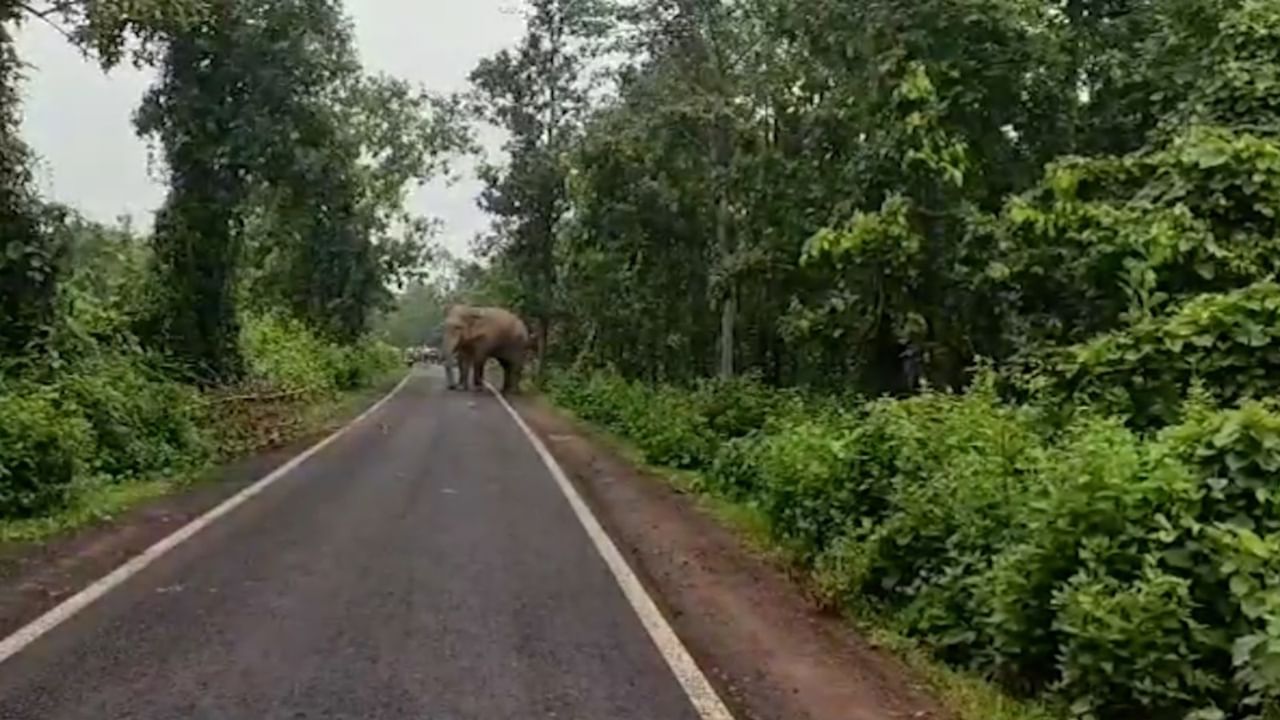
pixel 458 321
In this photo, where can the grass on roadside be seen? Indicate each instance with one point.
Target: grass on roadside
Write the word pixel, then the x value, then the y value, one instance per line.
pixel 97 503
pixel 968 697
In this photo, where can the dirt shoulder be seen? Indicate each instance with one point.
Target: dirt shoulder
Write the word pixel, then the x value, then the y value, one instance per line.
pixel 769 651
pixel 35 577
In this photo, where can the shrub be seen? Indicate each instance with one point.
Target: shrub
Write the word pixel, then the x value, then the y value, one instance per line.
pixel 285 354
pixel 670 430
pixel 735 471
pixel 956 473
pixel 666 424
pixel 1130 648
pixel 1094 508
pixel 738 407
pixel 361 364
pixel 140 423
pixel 809 488
pixel 599 398
pixel 42 451
pixel 1230 341
pixel 1130 576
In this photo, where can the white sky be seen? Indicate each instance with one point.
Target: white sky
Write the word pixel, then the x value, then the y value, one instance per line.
pixel 78 120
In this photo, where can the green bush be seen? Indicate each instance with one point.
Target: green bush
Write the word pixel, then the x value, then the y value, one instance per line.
pixel 362 364
pixel 1230 341
pixel 1094 508
pixel 43 451
pixel 735 471
pixel 109 416
pixel 805 489
pixel 952 477
pixel 738 407
pixel 284 353
pixel 1129 576
pixel 1130 646
pixel 671 431
pixel 666 424
pixel 140 423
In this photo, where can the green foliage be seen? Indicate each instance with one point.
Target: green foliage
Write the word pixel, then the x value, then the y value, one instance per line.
pixel 1100 504
pixel 855 194
pixel 360 364
pixel 42 451
pixel 282 153
pixel 29 255
pixel 416 319
pixel 1223 340
pixel 32 253
pixel 1125 576
pixel 106 28
pixel 286 355
pixel 1240 73
pixel 142 424
pixel 737 407
pixel 665 425
pixel 111 416
pixel 536 93
pixel 1107 243
pixel 851 198
pixel 1130 646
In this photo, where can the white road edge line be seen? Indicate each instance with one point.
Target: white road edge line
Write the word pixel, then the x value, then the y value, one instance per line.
pixel 696 686
pixel 31 632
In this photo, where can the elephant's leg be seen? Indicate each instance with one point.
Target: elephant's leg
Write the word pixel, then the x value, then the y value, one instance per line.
pixel 464 372
pixel 506 374
pixel 510 377
pixel 449 363
pixel 478 370
pixel 456 359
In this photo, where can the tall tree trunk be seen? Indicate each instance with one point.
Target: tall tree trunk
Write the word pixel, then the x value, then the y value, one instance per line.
pixel 728 312
pixel 724 240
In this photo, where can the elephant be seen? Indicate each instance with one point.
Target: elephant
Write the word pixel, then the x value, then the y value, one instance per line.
pixel 473 335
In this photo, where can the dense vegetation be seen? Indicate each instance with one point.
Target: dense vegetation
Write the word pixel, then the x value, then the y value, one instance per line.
pixel 129 356
pixel 1125 575
pixel 1004 272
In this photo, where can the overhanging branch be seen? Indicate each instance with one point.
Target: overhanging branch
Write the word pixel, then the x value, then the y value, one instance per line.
pixel 45 16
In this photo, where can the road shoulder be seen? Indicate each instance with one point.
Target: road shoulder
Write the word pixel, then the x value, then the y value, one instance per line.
pixel 771 654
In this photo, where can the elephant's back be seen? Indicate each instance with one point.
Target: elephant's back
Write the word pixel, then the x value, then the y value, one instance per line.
pixel 507 321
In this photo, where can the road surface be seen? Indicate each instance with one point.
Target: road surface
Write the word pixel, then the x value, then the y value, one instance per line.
pixel 423 566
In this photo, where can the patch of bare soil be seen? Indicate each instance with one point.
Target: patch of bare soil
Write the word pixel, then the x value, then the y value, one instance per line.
pixel 771 653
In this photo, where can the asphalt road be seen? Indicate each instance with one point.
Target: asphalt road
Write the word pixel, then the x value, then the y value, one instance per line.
pixel 424 566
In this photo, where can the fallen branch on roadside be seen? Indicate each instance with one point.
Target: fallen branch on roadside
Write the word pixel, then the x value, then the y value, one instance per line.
pixel 254 397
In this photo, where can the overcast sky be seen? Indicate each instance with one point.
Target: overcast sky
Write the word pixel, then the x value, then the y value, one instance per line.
pixel 78 119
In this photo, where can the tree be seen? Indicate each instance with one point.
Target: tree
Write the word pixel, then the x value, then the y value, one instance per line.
pixel 417 317
pixel 269 126
pixel 808 189
pixel 329 233
pixel 537 94
pixel 31 257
